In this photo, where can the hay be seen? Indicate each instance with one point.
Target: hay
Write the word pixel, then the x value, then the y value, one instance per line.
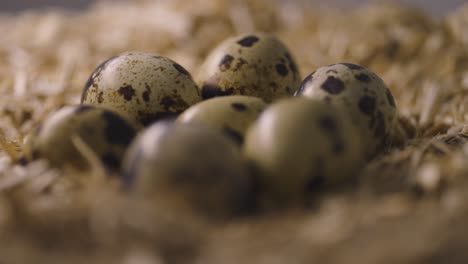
pixel 410 204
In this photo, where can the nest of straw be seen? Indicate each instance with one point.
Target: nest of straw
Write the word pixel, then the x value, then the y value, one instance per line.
pixel 410 204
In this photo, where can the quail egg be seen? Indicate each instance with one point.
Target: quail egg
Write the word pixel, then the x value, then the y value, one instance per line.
pixel 188 163
pixel 298 146
pixel 257 65
pixel 142 86
pixel 105 132
pixel 362 94
pixel 230 114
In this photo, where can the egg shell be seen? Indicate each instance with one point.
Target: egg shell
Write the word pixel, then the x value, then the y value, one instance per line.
pixel 104 132
pixel 189 163
pixel 257 64
pixel 298 146
pixel 143 86
pixel 362 94
pixel 230 114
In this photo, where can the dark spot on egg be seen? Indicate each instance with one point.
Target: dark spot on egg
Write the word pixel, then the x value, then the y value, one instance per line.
pixel 390 98
pixel 328 124
pixel 225 63
pixel 333 85
pixel 167 102
pixel 117 130
pixel 367 105
pixel 248 41
pixel 127 92
pixel 100 97
pixel 362 77
pixel 352 66
pixel 182 70
pixel 110 161
pixel 210 90
pixel 146 93
pixel 240 107
pixel 83 108
pixel 281 69
pixel 234 135
pixel 173 102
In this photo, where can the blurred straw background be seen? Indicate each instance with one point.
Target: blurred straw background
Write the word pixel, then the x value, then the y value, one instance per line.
pixel 410 206
pixel 436 7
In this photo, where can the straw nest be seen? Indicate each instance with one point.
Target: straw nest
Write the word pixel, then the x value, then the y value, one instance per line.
pixel 410 204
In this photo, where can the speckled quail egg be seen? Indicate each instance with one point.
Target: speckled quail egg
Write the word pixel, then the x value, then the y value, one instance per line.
pixel 230 114
pixel 362 94
pixel 257 65
pixel 143 86
pixel 188 163
pixel 104 132
pixel 298 146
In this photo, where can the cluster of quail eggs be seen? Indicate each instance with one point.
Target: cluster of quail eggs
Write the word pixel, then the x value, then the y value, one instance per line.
pixel 246 132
